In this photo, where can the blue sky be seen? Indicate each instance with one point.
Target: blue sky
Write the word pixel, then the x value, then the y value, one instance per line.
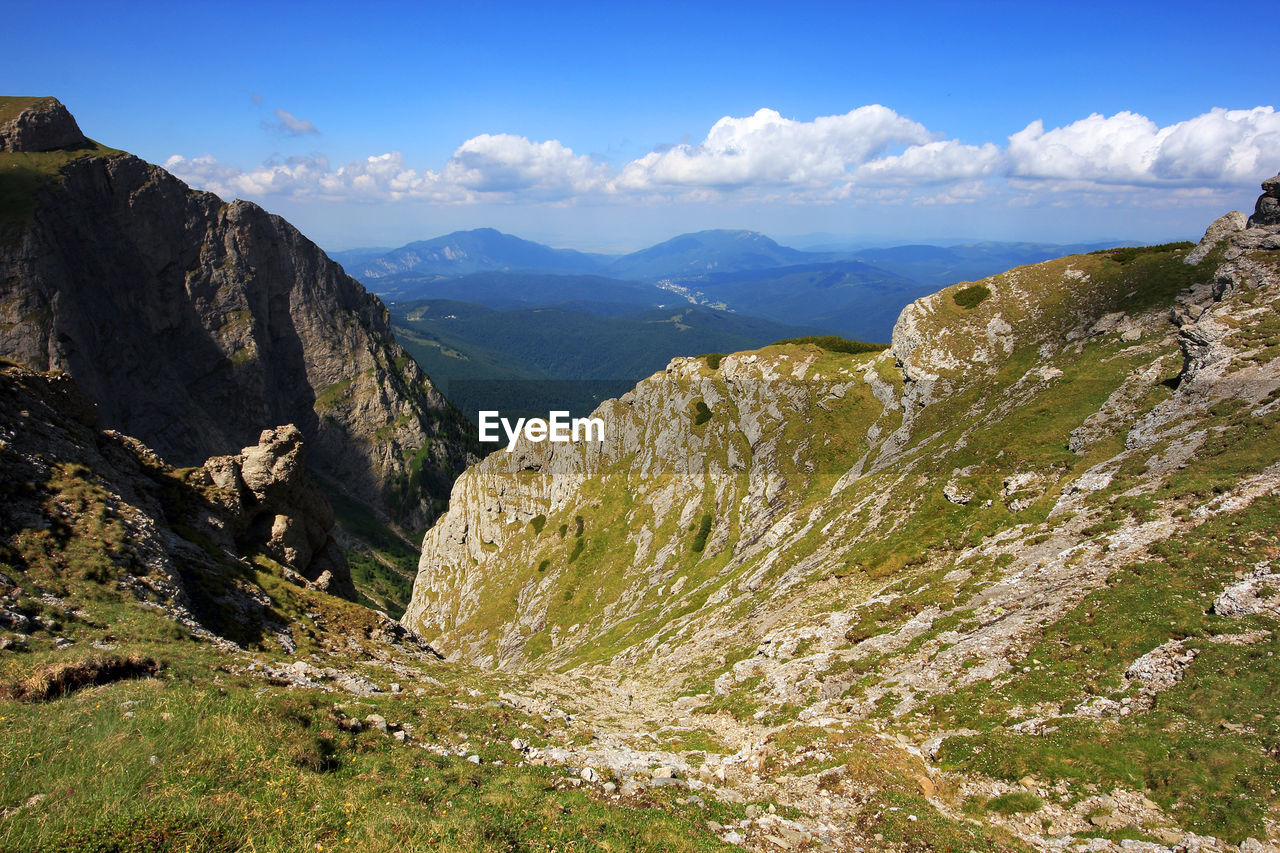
pixel 600 126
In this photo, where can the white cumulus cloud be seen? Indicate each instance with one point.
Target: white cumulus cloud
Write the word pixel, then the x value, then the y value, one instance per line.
pixel 933 162
pixel 765 157
pixel 1220 146
pixel 495 167
pixel 767 149
pixel 504 163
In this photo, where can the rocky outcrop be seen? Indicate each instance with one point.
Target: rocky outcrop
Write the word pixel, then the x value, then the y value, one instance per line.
pixel 1222 228
pixel 1267 209
pixel 703 453
pixel 103 506
pixel 195 324
pixel 38 124
pixel 274 504
pixel 682 472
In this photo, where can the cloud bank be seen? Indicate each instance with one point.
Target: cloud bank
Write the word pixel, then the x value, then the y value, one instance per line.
pixel 871 153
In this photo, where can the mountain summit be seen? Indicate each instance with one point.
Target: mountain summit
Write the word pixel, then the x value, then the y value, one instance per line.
pixel 702 252
pixel 463 252
pixel 38 124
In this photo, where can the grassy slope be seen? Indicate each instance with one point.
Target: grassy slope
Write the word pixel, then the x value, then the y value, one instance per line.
pixel 1214 778
pixel 382 570
pixel 1207 751
pixel 210 757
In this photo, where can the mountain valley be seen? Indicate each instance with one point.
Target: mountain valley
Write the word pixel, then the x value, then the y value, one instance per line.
pixel 743 279
pixel 1004 581
pixel 534 360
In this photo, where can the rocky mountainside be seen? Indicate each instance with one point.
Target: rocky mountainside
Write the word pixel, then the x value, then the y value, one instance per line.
pixel 195 324
pixel 1030 543
pixel 177 674
pixel 100 506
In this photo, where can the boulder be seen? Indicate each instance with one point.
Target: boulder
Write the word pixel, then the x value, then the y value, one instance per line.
pixel 1267 210
pixel 275 505
pixel 1222 228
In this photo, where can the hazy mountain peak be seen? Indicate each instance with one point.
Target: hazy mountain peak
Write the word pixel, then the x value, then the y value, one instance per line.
pixel 471 251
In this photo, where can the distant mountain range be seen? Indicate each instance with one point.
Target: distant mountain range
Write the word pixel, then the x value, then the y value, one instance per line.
pixel 462 252
pixel 736 271
pixel 940 266
pixel 480 306
pixel 687 256
pixel 706 252
pixel 850 297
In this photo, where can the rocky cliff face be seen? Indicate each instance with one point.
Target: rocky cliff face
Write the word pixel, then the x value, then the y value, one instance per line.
pixel 789 482
pixel 195 324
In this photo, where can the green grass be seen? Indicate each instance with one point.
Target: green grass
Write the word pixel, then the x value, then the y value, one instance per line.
pixel 12 106
pixel 1127 254
pixel 889 815
pixel 700 537
pixel 1204 752
pixel 1014 803
pixel 835 343
pixel 213 763
pixel 740 702
pixel 972 296
pixel 331 395
pixel 200 754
